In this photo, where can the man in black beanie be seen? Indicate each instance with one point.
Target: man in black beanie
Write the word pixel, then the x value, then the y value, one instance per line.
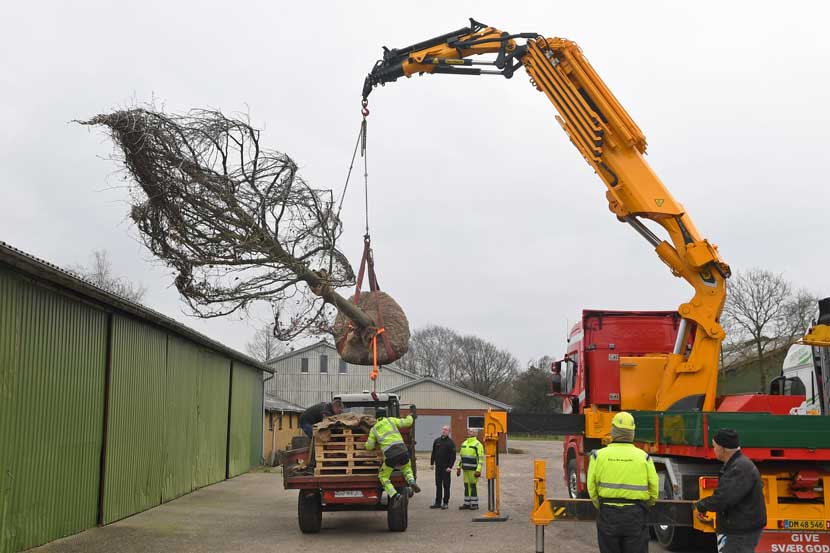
pixel 739 498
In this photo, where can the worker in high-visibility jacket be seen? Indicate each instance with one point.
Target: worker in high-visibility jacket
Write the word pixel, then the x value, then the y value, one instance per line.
pixel 622 484
pixel 472 457
pixel 385 434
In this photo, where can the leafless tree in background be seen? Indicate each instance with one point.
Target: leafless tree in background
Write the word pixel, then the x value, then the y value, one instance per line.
pixel 234 219
pixel 467 361
pixel 757 305
pixel 799 315
pixel 264 345
pixel 100 273
pixel 433 351
pixel 484 368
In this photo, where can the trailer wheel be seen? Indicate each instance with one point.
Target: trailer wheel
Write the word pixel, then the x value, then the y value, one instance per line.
pixel 309 512
pixel 397 513
pixel 669 536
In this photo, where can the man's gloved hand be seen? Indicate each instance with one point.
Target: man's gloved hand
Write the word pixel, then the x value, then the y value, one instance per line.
pixel 449 469
pixel 478 473
pixel 432 467
pixel 651 502
pixel 697 507
pixel 596 503
pixel 458 471
pixel 413 411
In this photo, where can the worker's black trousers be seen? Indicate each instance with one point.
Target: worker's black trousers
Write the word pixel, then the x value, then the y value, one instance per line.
pixel 442 483
pixel 622 529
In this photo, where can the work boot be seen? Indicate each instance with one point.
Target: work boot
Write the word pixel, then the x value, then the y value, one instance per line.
pixel 435 506
pixel 473 507
pixel 464 507
pixel 444 507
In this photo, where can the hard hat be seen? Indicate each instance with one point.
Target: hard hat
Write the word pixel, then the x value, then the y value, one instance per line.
pixel 623 420
pixel 380 412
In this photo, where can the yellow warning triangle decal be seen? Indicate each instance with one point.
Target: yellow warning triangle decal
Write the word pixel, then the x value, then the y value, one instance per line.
pixel 659 202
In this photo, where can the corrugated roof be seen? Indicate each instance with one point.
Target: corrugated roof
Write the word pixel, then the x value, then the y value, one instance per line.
pixel 273 403
pixel 64 280
pixel 391 367
pixel 453 387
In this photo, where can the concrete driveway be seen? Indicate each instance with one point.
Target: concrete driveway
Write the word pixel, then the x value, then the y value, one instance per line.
pixel 252 513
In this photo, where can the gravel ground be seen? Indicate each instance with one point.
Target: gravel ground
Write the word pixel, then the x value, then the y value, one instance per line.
pixel 252 513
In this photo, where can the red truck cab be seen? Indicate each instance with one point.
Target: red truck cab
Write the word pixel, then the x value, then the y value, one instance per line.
pixel 590 371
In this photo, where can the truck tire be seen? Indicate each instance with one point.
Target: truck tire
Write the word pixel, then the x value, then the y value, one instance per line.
pixel 573 480
pixel 671 537
pixel 309 512
pixel 397 513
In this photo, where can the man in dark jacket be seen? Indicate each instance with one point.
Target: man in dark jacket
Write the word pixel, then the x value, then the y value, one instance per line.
pixel 739 498
pixel 442 460
pixel 316 413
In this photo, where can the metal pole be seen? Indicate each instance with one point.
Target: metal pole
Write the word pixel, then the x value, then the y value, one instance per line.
pixel 540 539
pixel 681 336
pixel 491 495
pixel 643 231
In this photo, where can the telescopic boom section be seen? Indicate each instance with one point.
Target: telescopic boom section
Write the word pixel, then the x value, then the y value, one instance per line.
pixel 614 146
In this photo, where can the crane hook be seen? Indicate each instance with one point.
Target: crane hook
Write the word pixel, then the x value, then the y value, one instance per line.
pixel 365 110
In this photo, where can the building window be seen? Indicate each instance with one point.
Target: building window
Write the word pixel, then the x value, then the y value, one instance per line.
pixel 304 365
pixel 279 419
pixel 343 368
pixel 475 422
pixel 324 363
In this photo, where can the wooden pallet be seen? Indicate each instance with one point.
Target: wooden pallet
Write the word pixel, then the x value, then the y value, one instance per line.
pixel 345 455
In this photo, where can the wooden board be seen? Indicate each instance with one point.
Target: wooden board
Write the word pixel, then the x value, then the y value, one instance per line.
pixel 344 454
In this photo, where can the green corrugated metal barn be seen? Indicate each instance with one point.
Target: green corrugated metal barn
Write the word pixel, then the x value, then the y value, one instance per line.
pixel 108 408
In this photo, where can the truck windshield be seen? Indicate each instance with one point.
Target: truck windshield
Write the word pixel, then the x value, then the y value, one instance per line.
pixel 359 409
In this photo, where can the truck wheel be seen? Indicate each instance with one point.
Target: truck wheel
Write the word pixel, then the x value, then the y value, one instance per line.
pixel 397 514
pixel 671 537
pixel 573 480
pixel 309 512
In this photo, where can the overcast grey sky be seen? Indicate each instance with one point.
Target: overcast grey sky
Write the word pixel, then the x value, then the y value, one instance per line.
pixel 484 217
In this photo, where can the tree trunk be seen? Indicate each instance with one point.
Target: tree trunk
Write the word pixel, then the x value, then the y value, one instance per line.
pixel 345 306
pixel 761 367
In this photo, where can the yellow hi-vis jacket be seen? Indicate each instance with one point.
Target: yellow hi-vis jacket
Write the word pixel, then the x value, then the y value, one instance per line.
pixel 622 471
pixel 472 454
pixel 385 432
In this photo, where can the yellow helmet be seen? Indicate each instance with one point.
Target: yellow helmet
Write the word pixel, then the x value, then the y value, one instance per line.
pixel 623 420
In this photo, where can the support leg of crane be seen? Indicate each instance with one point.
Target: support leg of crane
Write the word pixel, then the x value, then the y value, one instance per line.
pixel 540 539
pixel 493 514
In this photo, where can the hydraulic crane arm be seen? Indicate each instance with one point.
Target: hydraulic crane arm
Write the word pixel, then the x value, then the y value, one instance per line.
pixel 613 145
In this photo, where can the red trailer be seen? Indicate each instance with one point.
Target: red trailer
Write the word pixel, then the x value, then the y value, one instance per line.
pixel 349 492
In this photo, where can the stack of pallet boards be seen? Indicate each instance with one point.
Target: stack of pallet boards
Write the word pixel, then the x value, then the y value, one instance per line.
pixel 339 447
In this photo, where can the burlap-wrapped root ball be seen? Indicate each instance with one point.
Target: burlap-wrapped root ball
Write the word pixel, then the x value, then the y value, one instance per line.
pixel 359 352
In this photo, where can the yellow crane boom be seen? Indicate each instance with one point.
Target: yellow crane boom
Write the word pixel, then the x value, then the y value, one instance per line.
pixel 614 146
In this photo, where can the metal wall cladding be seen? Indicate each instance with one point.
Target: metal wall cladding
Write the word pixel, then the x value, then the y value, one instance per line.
pixel 52 373
pixel 307 388
pixel 245 448
pixel 196 429
pixel 181 417
pixel 133 473
pixel 214 387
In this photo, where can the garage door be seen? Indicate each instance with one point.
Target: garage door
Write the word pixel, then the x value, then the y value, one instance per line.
pixel 427 428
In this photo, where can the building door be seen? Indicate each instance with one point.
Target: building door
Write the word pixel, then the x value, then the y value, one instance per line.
pixel 427 428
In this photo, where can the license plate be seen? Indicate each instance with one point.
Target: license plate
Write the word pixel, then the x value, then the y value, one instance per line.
pixel 805 524
pixel 348 493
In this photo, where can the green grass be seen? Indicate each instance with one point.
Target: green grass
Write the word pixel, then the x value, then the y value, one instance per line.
pixel 534 437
